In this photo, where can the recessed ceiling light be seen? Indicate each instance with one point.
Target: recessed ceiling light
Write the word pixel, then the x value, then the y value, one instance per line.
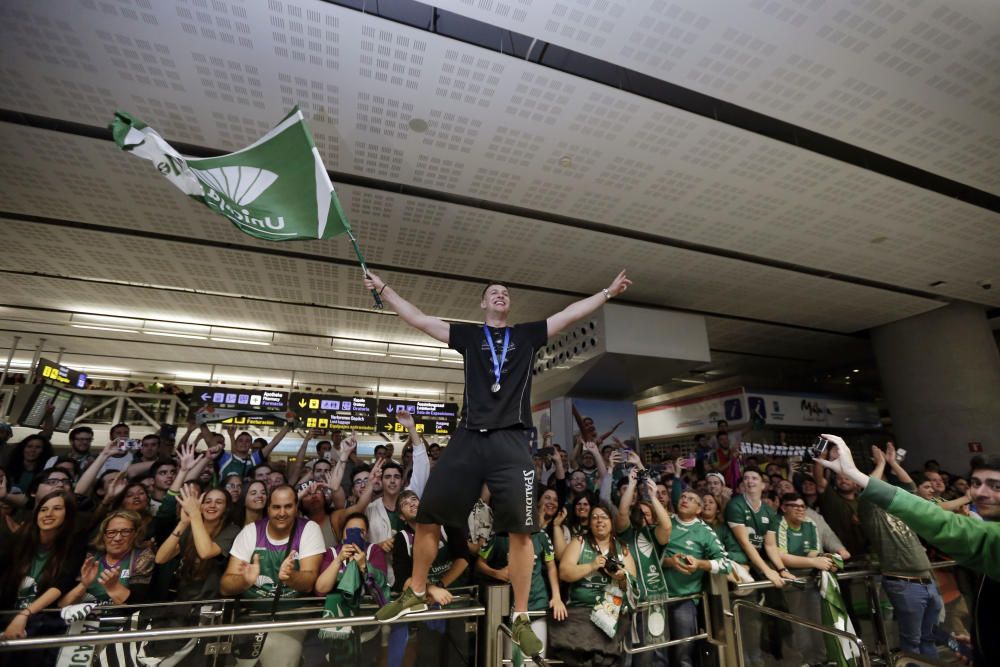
pixel 856 370
pixel 418 125
pixel 566 161
pixel 879 239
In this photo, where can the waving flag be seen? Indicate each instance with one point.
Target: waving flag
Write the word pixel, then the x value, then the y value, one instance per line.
pixel 276 189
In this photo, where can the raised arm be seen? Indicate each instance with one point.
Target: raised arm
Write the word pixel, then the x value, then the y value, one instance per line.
pixel 435 328
pixel 580 309
pixel 89 476
pixel 300 458
pixel 266 450
pixel 622 519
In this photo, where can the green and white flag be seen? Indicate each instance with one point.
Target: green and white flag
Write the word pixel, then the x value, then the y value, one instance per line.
pixel 276 189
pixel 841 652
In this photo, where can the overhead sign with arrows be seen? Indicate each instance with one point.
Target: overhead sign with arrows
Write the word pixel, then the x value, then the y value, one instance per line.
pixel 247 400
pixel 430 417
pixel 346 413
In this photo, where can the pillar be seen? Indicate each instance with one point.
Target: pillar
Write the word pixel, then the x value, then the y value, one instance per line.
pixel 941 375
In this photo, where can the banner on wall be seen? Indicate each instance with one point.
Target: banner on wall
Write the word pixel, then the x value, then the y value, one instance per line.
pixel 803 410
pixel 605 422
pixel 694 415
pixel 541 421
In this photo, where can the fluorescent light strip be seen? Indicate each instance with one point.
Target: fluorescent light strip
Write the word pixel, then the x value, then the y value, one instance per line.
pixel 688 380
pixel 407 356
pixel 453 361
pixel 174 335
pixel 91 326
pixel 371 354
pixel 238 340
pixel 404 390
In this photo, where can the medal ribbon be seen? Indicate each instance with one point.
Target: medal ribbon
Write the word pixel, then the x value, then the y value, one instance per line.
pixel 493 352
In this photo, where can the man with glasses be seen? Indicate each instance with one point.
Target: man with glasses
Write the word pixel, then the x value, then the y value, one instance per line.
pixel 798 542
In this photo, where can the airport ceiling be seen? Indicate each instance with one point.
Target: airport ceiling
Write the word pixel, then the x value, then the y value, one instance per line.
pixel 798 171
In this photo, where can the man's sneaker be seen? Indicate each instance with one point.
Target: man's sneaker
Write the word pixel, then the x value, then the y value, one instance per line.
pixel 522 635
pixel 407 603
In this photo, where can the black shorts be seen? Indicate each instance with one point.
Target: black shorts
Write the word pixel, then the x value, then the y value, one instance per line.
pixel 501 459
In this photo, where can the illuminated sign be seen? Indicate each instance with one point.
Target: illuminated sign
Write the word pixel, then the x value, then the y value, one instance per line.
pixel 249 400
pixel 69 415
pixel 253 420
pixel 324 411
pixel 430 417
pixel 50 370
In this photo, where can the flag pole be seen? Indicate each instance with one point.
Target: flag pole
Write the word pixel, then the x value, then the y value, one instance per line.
pixel 364 267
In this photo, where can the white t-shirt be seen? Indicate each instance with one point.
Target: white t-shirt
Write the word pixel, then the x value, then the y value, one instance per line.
pixel 311 543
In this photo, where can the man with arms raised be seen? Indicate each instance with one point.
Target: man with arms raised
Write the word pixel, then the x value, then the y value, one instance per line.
pixel 491 444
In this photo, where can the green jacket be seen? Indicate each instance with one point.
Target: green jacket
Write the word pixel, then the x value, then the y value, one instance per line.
pixel 972 542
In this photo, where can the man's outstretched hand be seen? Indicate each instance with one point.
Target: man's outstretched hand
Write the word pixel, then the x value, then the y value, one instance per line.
pixel 844 463
pixel 619 284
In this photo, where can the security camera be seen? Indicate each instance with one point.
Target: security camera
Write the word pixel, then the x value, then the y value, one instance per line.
pixel 985 284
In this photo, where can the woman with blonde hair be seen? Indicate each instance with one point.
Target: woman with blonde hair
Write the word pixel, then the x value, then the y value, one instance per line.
pixel 117 569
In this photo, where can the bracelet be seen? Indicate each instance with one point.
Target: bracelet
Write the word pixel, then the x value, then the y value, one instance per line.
pixel 384 285
pixel 607 294
pixel 171 492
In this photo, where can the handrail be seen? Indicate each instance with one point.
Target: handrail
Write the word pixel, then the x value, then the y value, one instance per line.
pixel 100 638
pixel 703 596
pixel 843 575
pixel 797 620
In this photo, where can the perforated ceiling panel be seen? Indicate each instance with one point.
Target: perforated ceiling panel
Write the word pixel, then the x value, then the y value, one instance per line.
pixel 918 81
pixel 499 129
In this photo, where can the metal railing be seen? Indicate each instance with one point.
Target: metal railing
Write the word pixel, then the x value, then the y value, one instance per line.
pixel 102 638
pixel 795 620
pixel 706 616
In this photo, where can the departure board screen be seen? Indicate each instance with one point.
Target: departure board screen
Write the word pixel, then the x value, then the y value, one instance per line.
pixel 32 408
pixel 73 409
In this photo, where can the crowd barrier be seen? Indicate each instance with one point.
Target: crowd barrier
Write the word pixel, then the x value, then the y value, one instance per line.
pixel 724 617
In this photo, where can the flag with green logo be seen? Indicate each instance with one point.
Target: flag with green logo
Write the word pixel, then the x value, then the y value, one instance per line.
pixel 840 652
pixel 275 189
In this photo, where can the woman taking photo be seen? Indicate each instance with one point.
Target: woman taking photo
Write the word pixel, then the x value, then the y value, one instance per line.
pixel 202 540
pixel 117 570
pixel 596 565
pixel 38 561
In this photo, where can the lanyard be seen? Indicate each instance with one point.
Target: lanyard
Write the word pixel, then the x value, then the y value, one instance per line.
pixel 497 365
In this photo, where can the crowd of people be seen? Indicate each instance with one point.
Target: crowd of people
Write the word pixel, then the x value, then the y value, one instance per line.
pixel 617 535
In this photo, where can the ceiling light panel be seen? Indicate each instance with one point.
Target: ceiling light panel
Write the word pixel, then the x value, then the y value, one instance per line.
pixel 914 81
pixel 645 166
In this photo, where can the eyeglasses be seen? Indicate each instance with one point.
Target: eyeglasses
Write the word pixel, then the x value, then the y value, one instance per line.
pixel 360 482
pixel 55 481
pixel 234 487
pixel 118 532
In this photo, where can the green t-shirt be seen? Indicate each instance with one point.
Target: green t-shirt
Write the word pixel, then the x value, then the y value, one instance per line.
pixel 587 591
pixel 495 553
pixel 134 568
pixel 898 548
pixel 28 590
pixel 799 541
pixel 697 539
pixel 758 521
pixel 729 543
pixel 648 555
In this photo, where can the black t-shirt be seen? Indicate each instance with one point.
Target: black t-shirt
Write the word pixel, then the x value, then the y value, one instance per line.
pixel 511 406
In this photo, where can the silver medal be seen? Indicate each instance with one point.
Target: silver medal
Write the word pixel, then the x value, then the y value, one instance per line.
pixel 495 388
